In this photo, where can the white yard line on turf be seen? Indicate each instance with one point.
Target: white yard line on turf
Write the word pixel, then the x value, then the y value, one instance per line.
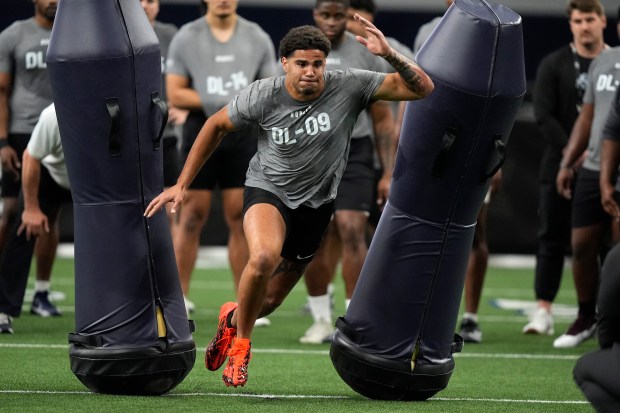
pixel 326 352
pixel 303 396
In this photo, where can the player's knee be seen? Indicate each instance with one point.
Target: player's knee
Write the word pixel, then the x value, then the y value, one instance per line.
pixel 352 236
pixel 234 219
pixel 584 249
pixel 235 227
pixel 193 220
pixel 263 262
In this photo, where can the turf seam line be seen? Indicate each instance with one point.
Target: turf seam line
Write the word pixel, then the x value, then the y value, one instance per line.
pixel 326 352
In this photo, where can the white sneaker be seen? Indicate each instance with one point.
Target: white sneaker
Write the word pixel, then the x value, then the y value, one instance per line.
pixel 189 305
pixel 262 322
pixel 320 332
pixel 541 322
pixel 581 330
pixel 6 324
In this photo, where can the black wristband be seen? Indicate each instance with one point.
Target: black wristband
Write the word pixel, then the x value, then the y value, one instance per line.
pixel 3 142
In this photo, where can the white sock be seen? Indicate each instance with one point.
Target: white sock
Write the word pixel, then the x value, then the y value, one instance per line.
pixel 319 307
pixel 330 288
pixel 347 301
pixel 470 316
pixel 40 286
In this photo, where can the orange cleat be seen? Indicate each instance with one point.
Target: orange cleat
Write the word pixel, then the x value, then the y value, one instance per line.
pixel 236 371
pixel 217 350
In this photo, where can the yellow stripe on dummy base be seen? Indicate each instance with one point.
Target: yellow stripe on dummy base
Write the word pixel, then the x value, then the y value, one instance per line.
pixel 161 325
pixel 414 356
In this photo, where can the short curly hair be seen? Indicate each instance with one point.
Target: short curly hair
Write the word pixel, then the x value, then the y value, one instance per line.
pixel 304 38
pixel 366 5
pixel 585 6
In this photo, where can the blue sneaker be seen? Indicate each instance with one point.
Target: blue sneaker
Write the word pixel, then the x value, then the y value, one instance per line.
pixel 42 306
pixel 6 324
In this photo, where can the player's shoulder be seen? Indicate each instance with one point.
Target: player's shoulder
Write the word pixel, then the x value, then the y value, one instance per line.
pixel 192 27
pixel 251 27
pixel 268 86
pixel 610 53
pixel 345 75
pixel 431 24
pixel 166 28
pixel 18 27
pixel 557 55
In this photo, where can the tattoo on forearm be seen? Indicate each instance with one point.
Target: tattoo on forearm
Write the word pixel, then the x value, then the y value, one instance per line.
pixel 407 69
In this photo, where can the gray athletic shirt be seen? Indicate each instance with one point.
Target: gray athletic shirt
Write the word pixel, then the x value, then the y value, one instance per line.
pixel 424 32
pixel 164 32
pixel 603 80
pixel 303 146
pixel 23 47
pixel 351 54
pixel 219 70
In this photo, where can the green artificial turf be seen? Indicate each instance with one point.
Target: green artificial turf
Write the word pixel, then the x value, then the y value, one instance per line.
pixel 508 372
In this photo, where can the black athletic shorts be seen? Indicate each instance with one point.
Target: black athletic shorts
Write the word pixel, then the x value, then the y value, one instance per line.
pixel 305 226
pixel 587 208
pixel 357 187
pixel 11 186
pixel 172 162
pixel 228 164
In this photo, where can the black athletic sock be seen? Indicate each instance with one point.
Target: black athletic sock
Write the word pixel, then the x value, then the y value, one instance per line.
pixel 587 309
pixel 229 319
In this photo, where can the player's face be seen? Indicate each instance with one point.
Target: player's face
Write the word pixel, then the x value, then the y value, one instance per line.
pixel 46 8
pixel 331 18
pixel 305 71
pixel 151 7
pixel 587 28
pixel 222 8
pixel 353 25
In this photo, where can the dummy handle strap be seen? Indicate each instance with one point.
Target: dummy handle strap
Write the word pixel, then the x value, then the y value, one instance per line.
pixel 114 138
pixel 441 160
pixel 500 148
pixel 85 340
pixel 163 109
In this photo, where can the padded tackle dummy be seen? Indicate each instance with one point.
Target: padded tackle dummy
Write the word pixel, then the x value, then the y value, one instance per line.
pixel 397 340
pixel 132 333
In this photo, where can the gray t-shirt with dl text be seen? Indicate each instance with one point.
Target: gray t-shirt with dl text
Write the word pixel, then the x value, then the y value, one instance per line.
pixel 603 81
pixel 219 70
pixel 23 47
pixel 303 146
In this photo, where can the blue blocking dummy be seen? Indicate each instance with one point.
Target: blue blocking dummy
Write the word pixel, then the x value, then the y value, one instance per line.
pixel 397 338
pixel 132 333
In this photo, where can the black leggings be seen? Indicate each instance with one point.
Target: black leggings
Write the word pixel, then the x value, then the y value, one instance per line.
pixel 17 254
pixel 554 232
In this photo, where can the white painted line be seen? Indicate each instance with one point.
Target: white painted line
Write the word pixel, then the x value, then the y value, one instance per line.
pixel 217 256
pixel 471 399
pixel 302 396
pixel 518 356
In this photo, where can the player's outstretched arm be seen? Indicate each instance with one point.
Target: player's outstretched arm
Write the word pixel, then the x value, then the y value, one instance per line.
pixel 410 82
pixel 207 140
